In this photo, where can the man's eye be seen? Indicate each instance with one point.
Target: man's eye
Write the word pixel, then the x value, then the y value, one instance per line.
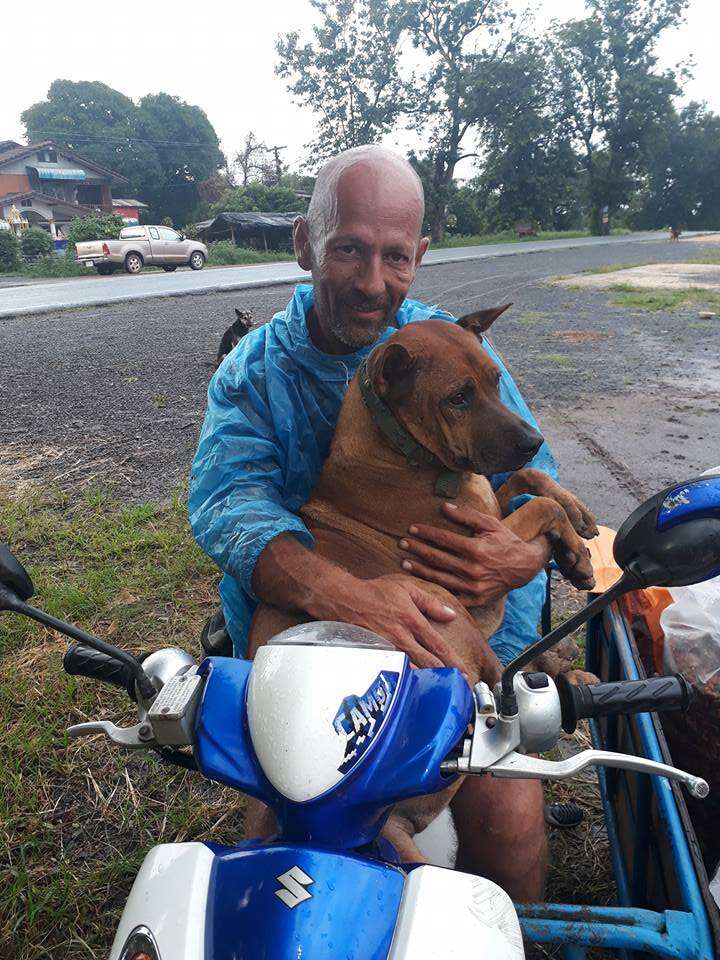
pixel 398 258
pixel 347 248
pixel 458 400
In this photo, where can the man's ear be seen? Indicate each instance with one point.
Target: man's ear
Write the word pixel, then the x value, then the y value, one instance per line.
pixel 392 370
pixel 301 242
pixel 481 320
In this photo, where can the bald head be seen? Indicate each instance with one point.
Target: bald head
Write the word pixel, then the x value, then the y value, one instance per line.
pixel 369 174
pixel 361 241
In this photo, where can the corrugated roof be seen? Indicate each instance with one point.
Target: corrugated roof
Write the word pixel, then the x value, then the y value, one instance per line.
pixel 118 202
pixel 255 219
pixel 53 201
pixel 18 152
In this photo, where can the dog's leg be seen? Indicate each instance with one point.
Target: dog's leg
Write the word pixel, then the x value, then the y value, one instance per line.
pixel 543 516
pixel 540 484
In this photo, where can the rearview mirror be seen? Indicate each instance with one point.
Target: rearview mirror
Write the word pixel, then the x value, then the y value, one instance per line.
pixel 673 539
pixel 182 236
pixel 13 575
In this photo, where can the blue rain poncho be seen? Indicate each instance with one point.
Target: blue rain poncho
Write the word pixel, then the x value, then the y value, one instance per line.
pixel 272 409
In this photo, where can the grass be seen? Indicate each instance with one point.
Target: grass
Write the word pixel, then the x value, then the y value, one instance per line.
pixel 557 359
pixel 510 236
pixel 654 300
pixel 611 268
pixel 54 267
pixel 225 253
pixel 78 816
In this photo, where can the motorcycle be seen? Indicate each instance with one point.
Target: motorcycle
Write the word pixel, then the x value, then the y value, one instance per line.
pixel 330 727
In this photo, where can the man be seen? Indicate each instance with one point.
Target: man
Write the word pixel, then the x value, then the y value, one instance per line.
pixel 272 409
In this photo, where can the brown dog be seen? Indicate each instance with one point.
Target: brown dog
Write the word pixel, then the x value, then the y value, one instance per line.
pixel 442 388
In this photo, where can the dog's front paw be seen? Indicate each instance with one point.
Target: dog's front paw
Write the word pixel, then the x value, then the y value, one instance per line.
pixel 576 566
pixel 580 517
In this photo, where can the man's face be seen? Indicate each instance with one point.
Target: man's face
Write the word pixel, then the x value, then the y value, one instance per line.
pixel 368 256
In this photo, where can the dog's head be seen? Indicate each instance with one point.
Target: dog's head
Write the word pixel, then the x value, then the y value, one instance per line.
pixel 443 388
pixel 242 323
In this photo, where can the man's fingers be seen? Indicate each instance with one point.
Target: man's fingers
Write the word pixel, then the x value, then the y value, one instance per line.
pixel 419 655
pixel 428 636
pixel 441 577
pixel 469 517
pixel 458 543
pixel 432 607
pixel 440 559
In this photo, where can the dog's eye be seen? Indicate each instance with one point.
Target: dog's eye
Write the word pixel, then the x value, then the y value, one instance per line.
pixel 458 399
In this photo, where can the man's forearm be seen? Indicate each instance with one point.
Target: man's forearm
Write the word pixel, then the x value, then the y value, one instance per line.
pixel 293 577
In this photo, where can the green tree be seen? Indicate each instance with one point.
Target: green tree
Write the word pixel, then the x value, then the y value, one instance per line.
pixel 610 93
pixel 9 252
pixel 187 148
pixel 348 74
pixel 462 40
pixel 258 196
pixel 682 187
pixel 101 226
pixel 165 147
pixel 529 168
pixel 35 242
pixel 99 123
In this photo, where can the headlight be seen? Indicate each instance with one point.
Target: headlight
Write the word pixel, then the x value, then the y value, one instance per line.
pixel 140 945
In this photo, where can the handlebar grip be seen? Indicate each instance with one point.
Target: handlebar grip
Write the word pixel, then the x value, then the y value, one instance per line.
pixel 624 696
pixel 83 661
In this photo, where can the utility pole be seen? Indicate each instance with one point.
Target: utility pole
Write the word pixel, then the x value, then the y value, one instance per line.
pixel 278 162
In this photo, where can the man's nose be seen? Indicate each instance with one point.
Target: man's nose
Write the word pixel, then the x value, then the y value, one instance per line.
pixel 370 280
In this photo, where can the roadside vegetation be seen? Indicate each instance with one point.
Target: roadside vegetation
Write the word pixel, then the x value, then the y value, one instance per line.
pixel 636 298
pixel 79 816
pixel 225 253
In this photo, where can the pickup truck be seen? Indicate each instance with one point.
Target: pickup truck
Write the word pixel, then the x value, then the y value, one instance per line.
pixel 142 246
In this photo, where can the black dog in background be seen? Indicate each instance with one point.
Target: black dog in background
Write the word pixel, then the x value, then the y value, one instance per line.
pixel 234 333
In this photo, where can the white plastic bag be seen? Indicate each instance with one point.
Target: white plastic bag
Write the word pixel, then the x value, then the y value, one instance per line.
pixel 691 624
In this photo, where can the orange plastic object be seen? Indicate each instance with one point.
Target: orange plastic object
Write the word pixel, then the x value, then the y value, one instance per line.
pixel 643 607
pixel 606 571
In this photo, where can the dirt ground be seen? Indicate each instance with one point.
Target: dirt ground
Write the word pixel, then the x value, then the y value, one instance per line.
pixel 653 276
pixel 628 399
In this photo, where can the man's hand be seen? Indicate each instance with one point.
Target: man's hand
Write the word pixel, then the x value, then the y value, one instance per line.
pixel 397 611
pixel 289 576
pixel 476 568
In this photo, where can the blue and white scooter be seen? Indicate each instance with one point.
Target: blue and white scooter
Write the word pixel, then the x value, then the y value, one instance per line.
pixel 330 727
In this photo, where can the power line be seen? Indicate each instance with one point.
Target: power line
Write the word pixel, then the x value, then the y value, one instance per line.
pixel 67 135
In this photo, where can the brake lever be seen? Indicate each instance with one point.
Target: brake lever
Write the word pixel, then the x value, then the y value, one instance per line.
pixel 138 737
pixel 517 765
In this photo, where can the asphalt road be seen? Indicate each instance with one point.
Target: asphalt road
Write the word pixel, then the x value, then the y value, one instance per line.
pixel 628 399
pixel 40 297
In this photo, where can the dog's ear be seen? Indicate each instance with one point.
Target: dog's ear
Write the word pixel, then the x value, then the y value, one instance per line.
pixel 393 370
pixel 481 320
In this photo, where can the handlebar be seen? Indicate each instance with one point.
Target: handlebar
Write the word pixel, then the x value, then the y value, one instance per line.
pixel 82 661
pixel 622 697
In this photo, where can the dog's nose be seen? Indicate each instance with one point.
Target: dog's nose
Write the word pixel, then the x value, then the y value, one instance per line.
pixel 530 443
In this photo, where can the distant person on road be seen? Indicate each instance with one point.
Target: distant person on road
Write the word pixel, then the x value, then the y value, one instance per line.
pixel 272 409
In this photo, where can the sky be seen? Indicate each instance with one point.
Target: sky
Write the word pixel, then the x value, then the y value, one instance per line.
pixel 221 56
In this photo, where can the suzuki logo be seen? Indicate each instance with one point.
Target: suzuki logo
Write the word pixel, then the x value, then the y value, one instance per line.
pixel 293 889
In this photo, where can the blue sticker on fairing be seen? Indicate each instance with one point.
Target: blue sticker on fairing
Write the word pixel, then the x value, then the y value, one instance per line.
pixel 360 718
pixel 695 500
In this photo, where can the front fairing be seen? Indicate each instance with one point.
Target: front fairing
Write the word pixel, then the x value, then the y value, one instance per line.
pixel 291 901
pixel 431 711
pixel 276 901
